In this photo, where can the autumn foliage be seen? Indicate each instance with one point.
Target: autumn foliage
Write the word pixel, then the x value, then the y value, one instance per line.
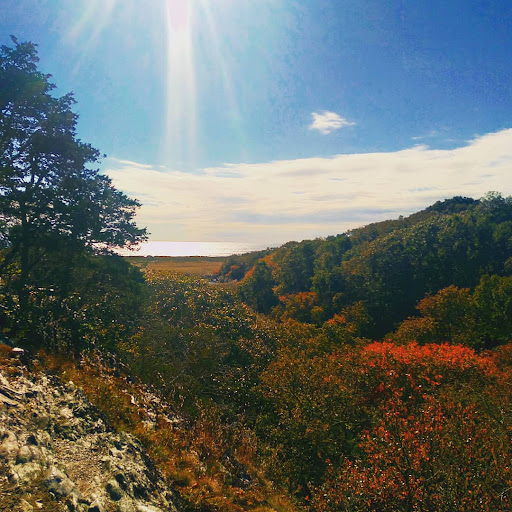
pixel 438 436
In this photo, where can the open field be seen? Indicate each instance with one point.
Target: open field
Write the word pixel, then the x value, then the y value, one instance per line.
pixel 191 265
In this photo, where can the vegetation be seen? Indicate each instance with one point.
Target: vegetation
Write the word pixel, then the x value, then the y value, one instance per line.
pixel 367 371
pixel 57 214
pixel 388 267
pixel 191 265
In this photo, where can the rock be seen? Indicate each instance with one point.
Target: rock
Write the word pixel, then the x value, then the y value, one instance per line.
pixel 114 490
pixel 121 480
pixel 96 506
pixel 8 401
pixel 73 502
pixel 40 420
pixel 139 490
pixel 66 413
pixel 59 484
pixel 24 455
pixel 32 439
pixel 8 444
pixel 25 506
pixel 140 507
pixel 101 470
pixel 27 472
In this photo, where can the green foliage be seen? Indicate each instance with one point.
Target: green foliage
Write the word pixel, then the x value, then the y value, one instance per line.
pixel 446 316
pixel 257 289
pixel 236 266
pixel 308 416
pixel 295 266
pixel 482 319
pixel 199 343
pixel 56 211
pixel 492 301
pixel 390 266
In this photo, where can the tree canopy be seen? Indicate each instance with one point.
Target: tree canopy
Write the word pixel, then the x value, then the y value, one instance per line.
pixel 55 206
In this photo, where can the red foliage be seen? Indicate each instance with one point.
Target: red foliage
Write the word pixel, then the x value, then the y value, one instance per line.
pixel 439 437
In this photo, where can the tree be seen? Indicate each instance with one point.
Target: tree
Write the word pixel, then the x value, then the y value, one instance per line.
pixel 447 316
pixel 257 288
pixel 492 301
pixel 54 207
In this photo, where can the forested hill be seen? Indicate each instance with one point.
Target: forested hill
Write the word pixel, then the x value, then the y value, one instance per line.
pixel 381 271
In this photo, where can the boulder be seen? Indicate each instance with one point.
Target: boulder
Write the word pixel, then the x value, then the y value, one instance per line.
pixel 59 484
pixel 8 444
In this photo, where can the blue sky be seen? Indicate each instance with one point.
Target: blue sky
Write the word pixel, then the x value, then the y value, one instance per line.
pixel 280 119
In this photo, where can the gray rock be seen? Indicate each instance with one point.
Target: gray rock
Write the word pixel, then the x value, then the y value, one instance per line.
pixel 141 507
pixel 114 490
pixel 40 420
pixel 121 480
pixel 32 440
pixel 111 468
pixel 73 502
pixel 8 444
pixel 24 473
pixel 25 506
pixel 24 455
pixel 96 506
pixel 59 484
pixel 106 463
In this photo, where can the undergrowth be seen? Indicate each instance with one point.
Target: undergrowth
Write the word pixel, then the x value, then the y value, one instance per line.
pixel 212 466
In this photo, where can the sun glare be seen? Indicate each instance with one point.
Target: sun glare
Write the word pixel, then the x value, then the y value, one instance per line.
pixel 93 19
pixel 181 137
pixel 179 14
pixel 198 47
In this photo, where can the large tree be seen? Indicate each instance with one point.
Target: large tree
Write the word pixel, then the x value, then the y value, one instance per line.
pixel 55 207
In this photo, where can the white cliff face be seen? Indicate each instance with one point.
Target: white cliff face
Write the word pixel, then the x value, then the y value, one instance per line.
pixel 57 454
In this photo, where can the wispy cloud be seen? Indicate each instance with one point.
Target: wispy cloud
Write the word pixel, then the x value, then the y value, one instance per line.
pixel 305 198
pixel 327 122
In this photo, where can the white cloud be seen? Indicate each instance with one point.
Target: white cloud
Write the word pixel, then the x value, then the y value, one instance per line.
pixel 326 122
pixel 305 198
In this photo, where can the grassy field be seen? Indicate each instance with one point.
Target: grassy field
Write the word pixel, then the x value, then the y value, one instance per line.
pixel 191 265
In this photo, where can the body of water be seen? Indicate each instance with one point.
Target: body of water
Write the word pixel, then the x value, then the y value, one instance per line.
pixel 193 249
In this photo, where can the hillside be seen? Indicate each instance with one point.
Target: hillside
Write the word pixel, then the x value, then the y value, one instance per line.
pixel 272 395
pixel 386 268
pixel 58 453
pixel 104 443
pixel 368 371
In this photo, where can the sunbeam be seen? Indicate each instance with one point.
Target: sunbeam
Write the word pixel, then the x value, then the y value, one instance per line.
pixel 96 16
pixel 227 82
pixel 181 136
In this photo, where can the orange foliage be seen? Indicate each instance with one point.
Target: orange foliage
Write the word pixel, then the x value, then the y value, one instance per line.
pixel 302 306
pixel 439 437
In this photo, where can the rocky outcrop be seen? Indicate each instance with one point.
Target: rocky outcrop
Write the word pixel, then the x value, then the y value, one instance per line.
pixel 57 453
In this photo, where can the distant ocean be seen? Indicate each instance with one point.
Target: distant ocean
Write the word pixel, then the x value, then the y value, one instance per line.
pixel 194 249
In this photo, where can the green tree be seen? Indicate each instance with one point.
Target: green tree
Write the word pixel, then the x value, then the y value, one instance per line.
pixel 493 309
pixel 54 206
pixel 257 288
pixel 446 316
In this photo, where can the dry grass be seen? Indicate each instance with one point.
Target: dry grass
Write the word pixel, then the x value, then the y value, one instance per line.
pixel 188 455
pixel 8 362
pixel 190 265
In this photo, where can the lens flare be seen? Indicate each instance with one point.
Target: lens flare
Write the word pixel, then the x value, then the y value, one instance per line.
pixel 227 82
pixel 181 135
pixel 96 16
